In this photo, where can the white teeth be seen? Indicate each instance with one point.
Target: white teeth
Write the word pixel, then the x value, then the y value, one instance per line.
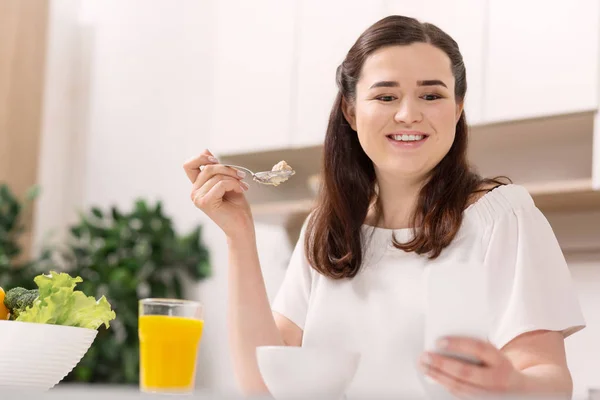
pixel 407 138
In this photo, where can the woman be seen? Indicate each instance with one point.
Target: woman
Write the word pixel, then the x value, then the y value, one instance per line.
pixel 400 210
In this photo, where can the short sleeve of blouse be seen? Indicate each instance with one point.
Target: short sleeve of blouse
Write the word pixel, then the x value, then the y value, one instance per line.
pixel 532 288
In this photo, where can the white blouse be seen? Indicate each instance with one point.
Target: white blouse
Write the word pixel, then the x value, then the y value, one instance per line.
pixel 503 275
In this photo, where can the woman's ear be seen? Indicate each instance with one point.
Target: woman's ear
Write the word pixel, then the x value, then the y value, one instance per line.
pixel 459 110
pixel 349 113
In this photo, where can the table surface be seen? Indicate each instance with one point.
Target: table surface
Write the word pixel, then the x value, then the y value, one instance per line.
pixel 100 392
pixel 91 392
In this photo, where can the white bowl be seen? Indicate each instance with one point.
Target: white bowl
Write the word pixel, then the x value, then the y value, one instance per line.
pixel 306 372
pixel 40 355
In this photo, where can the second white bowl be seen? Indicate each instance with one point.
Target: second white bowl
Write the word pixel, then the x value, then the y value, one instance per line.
pixel 306 372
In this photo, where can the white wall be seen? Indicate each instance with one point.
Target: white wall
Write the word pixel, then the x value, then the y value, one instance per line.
pixel 64 85
pixel 129 98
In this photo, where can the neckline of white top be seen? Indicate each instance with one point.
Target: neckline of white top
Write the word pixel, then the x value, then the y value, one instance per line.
pixel 497 197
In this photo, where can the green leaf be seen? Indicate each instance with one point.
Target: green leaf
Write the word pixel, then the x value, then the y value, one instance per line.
pixel 14 211
pixel 86 312
pixel 4 192
pixel 177 286
pixel 97 212
pixel 76 231
pixel 83 373
pixel 158 289
pixel 203 269
pixel 131 364
pixel 33 192
pixel 117 216
pixel 141 207
pixel 59 304
pixel 158 209
pixel 110 348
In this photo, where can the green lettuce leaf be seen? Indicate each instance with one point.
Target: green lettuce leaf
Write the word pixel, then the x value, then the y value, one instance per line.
pixel 86 312
pixel 58 303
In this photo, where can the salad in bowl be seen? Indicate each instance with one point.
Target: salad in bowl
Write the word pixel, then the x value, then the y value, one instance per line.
pixel 58 325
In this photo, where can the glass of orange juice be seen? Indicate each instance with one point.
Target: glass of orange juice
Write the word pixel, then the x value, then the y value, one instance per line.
pixel 170 331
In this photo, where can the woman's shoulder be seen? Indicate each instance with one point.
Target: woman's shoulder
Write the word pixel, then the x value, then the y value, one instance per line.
pixel 494 202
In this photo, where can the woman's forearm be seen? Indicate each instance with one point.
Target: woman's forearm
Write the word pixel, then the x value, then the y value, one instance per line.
pixel 548 379
pixel 251 321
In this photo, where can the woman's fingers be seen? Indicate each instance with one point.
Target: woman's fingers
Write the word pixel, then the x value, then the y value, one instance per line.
pixel 211 170
pixel 215 188
pixel 192 166
pixel 204 188
pixel 461 389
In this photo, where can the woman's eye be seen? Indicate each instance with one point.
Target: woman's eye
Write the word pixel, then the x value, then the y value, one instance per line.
pixel 431 97
pixel 386 98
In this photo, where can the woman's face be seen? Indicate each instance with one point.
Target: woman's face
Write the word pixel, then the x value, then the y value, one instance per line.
pixel 405 112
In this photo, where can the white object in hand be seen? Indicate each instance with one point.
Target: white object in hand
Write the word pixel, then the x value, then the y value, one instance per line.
pixel 457 304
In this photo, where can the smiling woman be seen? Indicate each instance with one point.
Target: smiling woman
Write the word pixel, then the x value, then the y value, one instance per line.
pixel 409 254
pixel 399 113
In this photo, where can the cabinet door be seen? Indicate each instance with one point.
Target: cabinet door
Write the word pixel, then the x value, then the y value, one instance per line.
pixel 542 58
pixel 327 30
pixel 464 21
pixel 253 60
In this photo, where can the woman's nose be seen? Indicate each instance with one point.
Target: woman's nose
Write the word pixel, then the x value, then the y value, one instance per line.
pixel 408 112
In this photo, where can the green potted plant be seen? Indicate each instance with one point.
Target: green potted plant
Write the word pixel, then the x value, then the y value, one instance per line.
pixel 15 269
pixel 127 256
pixel 122 255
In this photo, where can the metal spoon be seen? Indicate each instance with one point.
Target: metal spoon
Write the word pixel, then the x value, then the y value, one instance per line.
pixel 274 178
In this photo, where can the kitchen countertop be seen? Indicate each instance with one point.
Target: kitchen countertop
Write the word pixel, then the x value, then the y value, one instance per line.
pixel 93 392
pixel 101 392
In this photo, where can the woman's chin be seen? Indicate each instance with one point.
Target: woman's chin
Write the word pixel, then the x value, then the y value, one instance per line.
pixel 402 172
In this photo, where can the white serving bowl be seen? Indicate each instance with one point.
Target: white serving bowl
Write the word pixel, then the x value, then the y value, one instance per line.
pixel 40 355
pixel 306 372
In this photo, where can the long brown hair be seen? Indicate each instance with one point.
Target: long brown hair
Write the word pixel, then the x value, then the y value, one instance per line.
pixel 333 234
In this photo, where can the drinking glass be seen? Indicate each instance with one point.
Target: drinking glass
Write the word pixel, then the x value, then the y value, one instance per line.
pixel 170 331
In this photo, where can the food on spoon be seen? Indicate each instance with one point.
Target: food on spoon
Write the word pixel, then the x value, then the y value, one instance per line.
pixel 282 166
pixel 4 311
pixel 18 299
pixel 56 302
pixel 274 177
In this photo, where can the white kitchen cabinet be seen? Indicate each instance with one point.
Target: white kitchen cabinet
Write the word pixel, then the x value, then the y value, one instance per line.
pixel 464 21
pixel 542 58
pixel 252 75
pixel 327 30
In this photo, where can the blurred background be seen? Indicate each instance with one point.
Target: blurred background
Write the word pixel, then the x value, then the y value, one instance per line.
pixel 101 102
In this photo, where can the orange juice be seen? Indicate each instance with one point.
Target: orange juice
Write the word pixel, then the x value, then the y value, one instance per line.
pixel 168 348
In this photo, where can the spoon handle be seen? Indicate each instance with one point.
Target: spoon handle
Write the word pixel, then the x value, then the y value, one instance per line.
pixel 238 167
pixel 232 166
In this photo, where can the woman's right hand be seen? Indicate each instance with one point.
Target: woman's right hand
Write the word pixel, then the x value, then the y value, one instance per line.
pixel 219 192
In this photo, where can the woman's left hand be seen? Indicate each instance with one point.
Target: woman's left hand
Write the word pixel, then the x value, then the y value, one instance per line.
pixel 496 375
